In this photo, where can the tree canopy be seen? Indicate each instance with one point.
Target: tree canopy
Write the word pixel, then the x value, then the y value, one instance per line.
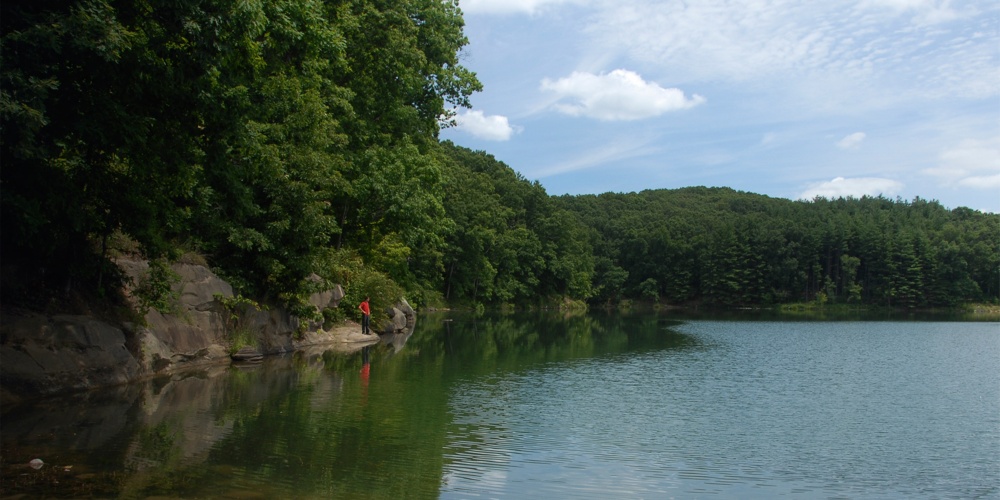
pixel 261 134
pixel 288 138
pixel 721 246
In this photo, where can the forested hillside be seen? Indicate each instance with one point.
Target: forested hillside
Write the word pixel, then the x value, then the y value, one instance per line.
pixel 714 246
pixel 726 247
pixel 282 139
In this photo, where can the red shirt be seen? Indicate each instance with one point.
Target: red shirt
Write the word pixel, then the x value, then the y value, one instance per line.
pixel 364 308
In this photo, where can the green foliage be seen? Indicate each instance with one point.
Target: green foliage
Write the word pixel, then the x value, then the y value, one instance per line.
pixel 359 280
pixel 333 316
pixel 363 282
pixel 240 329
pixel 509 243
pixel 650 289
pixel 730 248
pixel 263 133
pixel 155 290
pixel 97 125
pixel 289 138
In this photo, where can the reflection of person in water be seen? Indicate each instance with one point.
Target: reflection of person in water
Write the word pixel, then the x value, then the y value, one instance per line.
pixel 365 368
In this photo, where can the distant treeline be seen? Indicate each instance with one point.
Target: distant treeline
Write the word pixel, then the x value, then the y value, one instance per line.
pixel 283 141
pixel 715 246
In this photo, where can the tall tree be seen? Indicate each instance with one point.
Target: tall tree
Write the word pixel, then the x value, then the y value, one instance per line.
pixel 260 132
pixel 100 109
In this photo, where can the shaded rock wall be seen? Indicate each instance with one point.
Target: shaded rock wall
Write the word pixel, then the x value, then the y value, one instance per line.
pixel 48 354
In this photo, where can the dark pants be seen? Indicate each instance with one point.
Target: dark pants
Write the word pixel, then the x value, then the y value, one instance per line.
pixel 365 319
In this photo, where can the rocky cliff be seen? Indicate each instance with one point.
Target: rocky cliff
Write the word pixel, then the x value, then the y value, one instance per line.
pixel 49 354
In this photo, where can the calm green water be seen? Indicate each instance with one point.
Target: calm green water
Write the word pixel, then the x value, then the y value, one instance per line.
pixel 546 406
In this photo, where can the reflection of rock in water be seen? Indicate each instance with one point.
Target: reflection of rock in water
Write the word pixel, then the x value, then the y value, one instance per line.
pixel 247 355
pixel 190 416
pixel 84 421
pixel 405 321
pixel 158 422
pixel 396 340
pixel 179 419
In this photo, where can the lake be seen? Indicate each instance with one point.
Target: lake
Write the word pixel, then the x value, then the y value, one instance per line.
pixel 546 405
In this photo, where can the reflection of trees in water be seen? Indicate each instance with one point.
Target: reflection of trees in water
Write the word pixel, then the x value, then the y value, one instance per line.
pixel 293 425
pixel 306 424
pixel 474 345
pixel 310 427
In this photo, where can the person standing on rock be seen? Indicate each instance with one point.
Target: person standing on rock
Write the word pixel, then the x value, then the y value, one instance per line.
pixel 366 316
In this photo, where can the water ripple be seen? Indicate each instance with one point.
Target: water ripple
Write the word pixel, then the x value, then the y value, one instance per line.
pixel 818 411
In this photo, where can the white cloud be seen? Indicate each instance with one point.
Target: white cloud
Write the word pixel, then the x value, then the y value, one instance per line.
pixel 506 6
pixel 982 182
pixel 856 187
pixel 614 96
pixel 713 39
pixel 927 11
pixel 852 141
pixel 866 52
pixel 491 128
pixel 972 163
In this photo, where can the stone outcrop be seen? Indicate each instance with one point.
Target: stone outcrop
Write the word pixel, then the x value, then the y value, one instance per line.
pixel 48 354
pixel 402 317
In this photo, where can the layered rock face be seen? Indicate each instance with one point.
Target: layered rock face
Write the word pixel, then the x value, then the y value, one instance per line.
pixel 48 354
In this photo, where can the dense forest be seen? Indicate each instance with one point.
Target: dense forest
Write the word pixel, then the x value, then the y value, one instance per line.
pixel 731 248
pixel 277 141
pixel 711 246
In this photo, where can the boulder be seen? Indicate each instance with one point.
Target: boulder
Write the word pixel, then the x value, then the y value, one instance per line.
pixel 401 318
pixel 396 322
pixel 327 299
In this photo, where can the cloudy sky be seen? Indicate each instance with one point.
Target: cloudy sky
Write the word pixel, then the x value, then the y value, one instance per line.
pixel 788 98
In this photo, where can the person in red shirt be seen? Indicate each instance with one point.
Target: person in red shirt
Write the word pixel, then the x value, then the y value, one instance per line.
pixel 366 316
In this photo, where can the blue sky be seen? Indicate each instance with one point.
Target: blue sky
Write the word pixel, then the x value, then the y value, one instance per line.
pixel 790 99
